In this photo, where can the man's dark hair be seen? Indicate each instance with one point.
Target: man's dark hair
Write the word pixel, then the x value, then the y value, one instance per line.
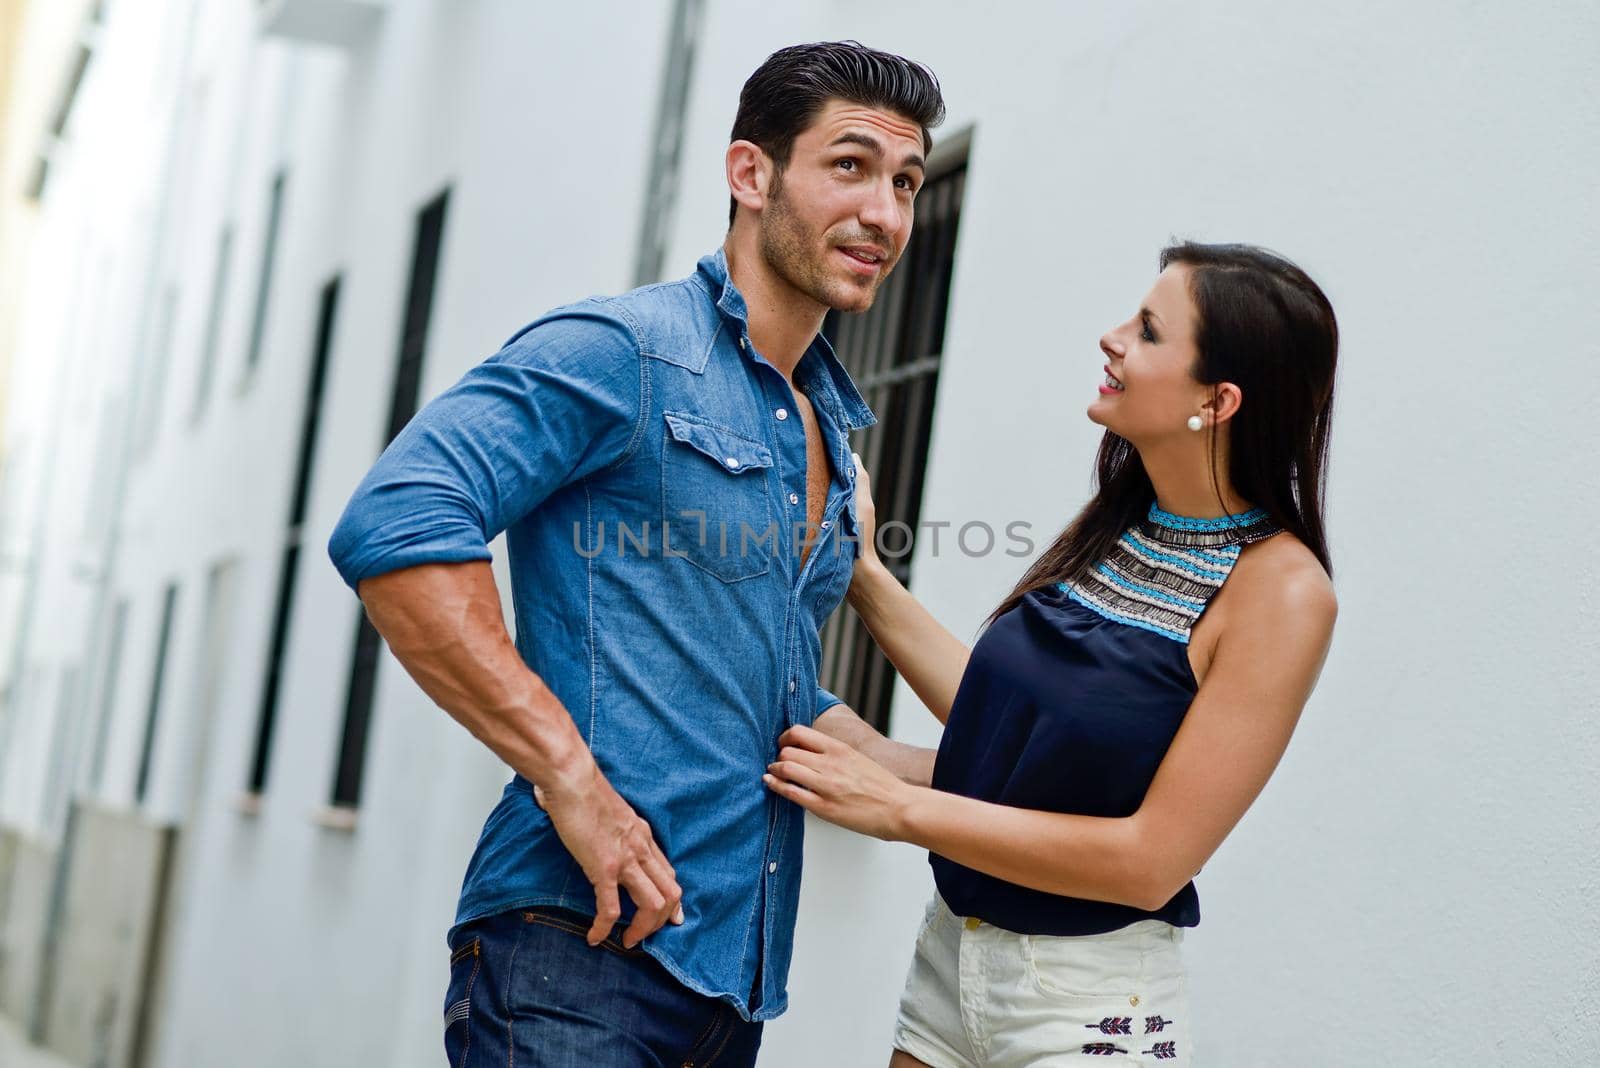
pixel 789 90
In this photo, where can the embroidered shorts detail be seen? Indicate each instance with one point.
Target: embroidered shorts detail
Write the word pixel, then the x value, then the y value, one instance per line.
pixel 978 996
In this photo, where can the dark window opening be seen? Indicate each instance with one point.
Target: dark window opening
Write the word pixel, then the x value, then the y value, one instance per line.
pixel 892 352
pixel 213 327
pixel 147 750
pixel 310 421
pixel 407 384
pixel 269 253
pixel 108 695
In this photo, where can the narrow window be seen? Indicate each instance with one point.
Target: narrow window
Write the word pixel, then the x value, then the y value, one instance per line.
pixel 892 352
pixel 266 714
pixel 163 638
pixel 213 327
pixel 269 252
pixel 407 382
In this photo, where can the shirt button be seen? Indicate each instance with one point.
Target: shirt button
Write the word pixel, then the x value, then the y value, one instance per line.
pixel 794 498
pixel 826 523
pixel 732 462
pixel 772 867
pixel 741 341
pixel 791 686
pixel 782 413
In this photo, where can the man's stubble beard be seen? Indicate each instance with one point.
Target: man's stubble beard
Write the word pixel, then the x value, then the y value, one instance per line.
pixel 788 246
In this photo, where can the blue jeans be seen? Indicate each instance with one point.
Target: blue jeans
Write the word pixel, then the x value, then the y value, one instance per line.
pixel 526 989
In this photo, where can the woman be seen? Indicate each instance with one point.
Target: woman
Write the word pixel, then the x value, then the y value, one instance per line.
pixel 1129 698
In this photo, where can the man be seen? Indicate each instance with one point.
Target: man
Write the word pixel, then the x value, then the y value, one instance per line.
pixel 673 470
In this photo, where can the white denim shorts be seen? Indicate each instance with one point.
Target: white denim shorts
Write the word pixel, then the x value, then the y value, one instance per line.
pixel 981 997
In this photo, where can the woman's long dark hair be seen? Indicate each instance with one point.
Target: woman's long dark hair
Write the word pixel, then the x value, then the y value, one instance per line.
pixel 1265 326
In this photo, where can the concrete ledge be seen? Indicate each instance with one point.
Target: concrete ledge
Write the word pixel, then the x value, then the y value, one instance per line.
pixel 336 817
pixel 112 912
pixel 17 1052
pixel 339 23
pixel 28 884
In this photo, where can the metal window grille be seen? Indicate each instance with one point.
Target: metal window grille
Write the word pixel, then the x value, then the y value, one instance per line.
pixel 213 328
pixel 892 351
pixel 108 695
pixel 310 421
pixel 408 380
pixel 269 254
pixel 147 749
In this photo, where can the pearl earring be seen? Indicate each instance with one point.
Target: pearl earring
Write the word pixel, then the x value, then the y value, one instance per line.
pixel 1195 423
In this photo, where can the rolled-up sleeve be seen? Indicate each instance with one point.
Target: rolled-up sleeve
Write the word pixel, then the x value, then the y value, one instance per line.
pixel 825 700
pixel 559 402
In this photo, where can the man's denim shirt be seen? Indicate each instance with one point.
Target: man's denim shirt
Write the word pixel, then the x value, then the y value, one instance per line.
pixel 681 661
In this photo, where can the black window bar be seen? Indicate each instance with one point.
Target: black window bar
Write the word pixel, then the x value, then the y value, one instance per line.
pixel 408 382
pixel 311 418
pixel 892 351
pixel 153 710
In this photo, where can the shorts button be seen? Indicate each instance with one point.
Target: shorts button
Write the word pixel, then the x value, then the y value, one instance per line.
pixel 1134 1001
pixel 973 923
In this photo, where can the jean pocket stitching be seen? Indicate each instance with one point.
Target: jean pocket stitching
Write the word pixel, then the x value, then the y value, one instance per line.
pixel 609 942
pixel 727 1036
pixel 467 948
pixel 704 1034
pixel 460 1010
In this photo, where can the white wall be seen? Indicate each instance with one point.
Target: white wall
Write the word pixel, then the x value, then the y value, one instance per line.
pixel 1412 882
pixel 344 933
pixel 78 318
pixel 1413 885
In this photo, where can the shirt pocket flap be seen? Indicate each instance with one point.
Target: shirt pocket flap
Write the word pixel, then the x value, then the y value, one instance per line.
pixel 731 451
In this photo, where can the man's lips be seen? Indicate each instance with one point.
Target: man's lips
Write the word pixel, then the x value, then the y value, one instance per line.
pixel 863 258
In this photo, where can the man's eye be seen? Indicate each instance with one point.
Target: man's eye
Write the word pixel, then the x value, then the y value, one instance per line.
pixel 905 183
pixel 848 164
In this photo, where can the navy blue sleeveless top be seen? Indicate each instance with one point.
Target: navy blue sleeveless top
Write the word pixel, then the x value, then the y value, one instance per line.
pixel 1071 699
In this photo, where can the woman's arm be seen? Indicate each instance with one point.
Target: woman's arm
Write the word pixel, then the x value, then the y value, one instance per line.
pixel 1234 734
pixel 909 763
pixel 926 655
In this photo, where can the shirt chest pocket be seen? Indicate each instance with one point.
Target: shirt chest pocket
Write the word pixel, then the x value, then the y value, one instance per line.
pixel 716 502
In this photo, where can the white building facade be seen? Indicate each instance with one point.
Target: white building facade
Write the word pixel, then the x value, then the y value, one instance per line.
pixel 266 229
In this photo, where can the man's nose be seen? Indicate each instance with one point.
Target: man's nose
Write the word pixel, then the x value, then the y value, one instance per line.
pixel 880 211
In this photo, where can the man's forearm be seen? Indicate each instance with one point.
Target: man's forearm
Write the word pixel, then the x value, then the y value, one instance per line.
pixel 444 624
pixel 910 763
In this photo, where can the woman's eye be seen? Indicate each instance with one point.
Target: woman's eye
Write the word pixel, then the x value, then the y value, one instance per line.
pixel 1145 331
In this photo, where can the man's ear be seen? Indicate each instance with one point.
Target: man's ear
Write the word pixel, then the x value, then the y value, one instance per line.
pixel 749 174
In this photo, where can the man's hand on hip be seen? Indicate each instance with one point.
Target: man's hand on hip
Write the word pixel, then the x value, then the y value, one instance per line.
pixel 445 624
pixel 615 848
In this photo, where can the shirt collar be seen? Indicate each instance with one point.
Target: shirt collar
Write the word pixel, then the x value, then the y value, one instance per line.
pixel 853 413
